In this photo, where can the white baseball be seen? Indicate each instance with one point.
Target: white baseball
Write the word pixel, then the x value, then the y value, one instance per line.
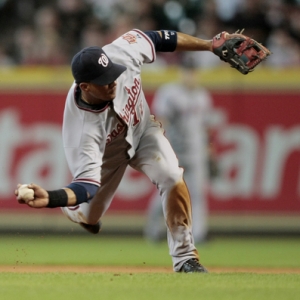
pixel 24 193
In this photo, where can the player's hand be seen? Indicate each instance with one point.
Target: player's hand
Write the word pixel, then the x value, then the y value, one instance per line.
pixel 41 197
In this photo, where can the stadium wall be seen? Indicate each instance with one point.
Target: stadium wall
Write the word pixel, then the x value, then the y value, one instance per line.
pixel 257 134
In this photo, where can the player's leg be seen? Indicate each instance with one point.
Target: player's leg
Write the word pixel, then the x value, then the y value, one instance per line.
pixel 77 214
pixel 194 177
pixel 156 158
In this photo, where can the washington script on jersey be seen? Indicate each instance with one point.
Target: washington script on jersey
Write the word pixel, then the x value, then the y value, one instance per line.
pixel 119 128
pixel 130 108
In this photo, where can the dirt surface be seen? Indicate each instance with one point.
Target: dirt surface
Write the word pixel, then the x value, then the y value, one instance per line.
pixel 134 270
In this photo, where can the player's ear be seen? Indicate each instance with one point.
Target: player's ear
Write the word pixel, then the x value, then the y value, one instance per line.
pixel 84 86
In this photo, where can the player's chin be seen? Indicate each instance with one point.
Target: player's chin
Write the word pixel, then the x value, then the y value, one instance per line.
pixel 111 96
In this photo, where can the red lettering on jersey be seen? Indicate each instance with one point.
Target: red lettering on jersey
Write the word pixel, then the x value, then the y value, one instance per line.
pixel 130 108
pixel 130 38
pixel 119 128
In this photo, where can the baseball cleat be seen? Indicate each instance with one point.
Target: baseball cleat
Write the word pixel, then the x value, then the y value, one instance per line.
pixel 95 228
pixel 193 266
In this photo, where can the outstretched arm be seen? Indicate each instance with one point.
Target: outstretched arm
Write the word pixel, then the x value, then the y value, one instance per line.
pixel 240 51
pixel 187 42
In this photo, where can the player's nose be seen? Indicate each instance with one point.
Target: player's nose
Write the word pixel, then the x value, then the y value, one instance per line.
pixel 112 84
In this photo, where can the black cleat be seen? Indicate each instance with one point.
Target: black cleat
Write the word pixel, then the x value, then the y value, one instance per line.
pixel 193 266
pixel 92 228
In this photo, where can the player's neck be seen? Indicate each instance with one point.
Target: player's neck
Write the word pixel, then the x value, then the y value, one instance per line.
pixel 91 100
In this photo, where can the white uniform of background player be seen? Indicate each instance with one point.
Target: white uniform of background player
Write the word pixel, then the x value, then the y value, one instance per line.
pixel 184 109
pixel 107 126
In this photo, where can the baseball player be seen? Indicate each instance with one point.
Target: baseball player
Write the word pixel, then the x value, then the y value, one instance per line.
pixel 184 108
pixel 107 126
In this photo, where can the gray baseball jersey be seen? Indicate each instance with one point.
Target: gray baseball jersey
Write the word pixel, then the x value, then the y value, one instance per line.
pixel 100 143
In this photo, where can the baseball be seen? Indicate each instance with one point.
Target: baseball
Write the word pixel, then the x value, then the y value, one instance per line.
pixel 25 194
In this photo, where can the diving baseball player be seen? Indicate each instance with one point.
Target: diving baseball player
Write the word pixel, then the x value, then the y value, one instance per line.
pixel 107 126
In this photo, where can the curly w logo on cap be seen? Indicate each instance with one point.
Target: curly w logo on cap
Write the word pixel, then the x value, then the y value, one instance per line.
pixel 103 60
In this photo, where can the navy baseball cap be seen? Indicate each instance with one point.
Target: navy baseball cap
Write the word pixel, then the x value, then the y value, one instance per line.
pixel 91 64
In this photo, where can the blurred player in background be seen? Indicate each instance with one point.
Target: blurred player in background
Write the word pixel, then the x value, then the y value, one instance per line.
pixel 184 109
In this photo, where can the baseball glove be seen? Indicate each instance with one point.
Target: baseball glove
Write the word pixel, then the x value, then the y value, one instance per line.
pixel 240 51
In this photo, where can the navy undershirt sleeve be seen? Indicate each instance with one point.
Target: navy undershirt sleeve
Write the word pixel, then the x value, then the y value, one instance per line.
pixel 81 189
pixel 167 43
pixel 155 38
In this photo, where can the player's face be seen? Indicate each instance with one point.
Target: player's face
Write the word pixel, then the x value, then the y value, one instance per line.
pixel 95 94
pixel 103 92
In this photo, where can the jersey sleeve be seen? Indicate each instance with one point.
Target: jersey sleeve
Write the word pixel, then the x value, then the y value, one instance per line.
pixel 134 46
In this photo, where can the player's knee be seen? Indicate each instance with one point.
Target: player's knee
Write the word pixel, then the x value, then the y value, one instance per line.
pixel 170 178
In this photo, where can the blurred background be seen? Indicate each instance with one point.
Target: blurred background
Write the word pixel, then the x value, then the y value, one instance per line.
pixel 254 120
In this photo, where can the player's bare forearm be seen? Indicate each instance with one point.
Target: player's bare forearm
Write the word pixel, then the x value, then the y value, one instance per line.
pixel 71 197
pixel 187 42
